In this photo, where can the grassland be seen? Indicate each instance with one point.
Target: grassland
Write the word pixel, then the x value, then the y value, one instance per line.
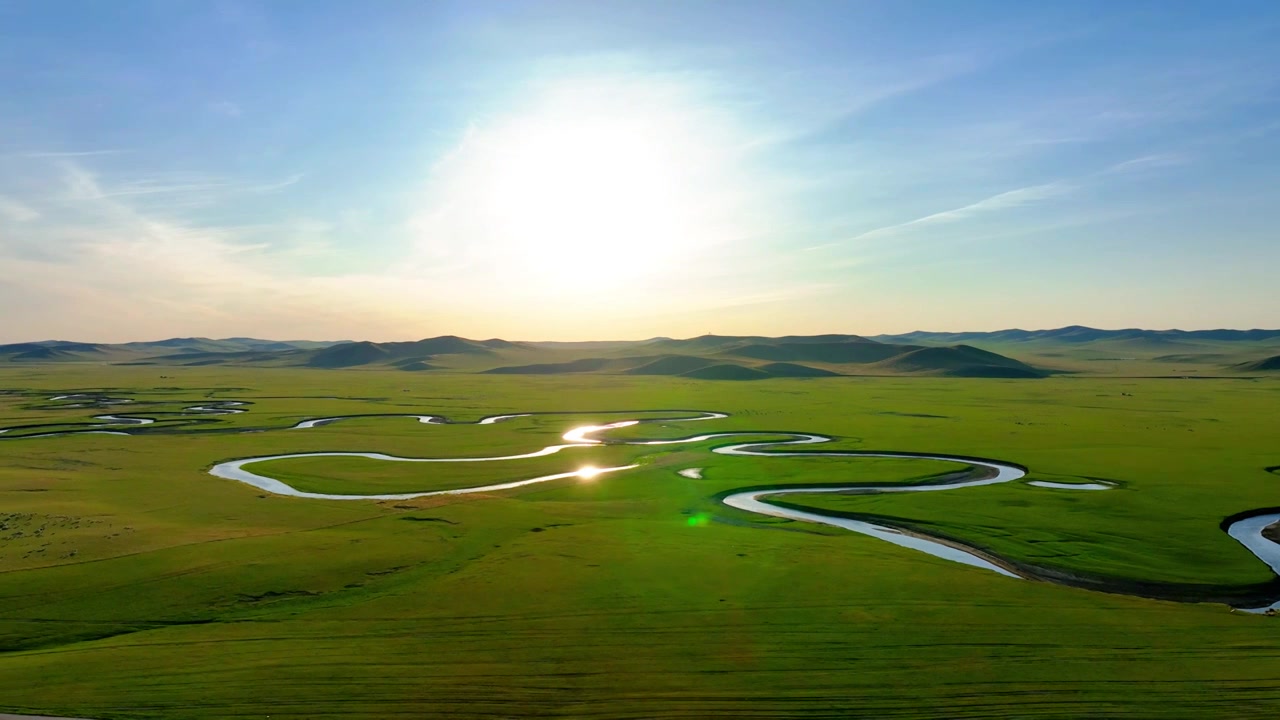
pixel 134 585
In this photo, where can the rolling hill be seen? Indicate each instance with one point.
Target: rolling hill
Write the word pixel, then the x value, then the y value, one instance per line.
pixel 959 361
pixel 722 357
pixel 349 355
pixel 31 352
pixel 176 351
pixel 1082 334
pixel 1000 354
pixel 712 357
pixel 1270 364
pixel 1130 351
pixel 785 369
pixel 671 365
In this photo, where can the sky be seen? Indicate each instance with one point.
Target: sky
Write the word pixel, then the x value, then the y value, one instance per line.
pixel 622 170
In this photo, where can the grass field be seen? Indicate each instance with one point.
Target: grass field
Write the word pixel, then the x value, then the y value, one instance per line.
pixel 135 585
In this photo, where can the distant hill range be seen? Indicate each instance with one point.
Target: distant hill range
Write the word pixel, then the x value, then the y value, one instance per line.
pixel 711 357
pixel 1082 334
pixel 1132 351
pixel 1000 354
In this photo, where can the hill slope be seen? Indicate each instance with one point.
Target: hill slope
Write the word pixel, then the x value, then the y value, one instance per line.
pixel 959 361
pixel 713 357
pixel 728 357
pixel 1130 351
pixel 1083 334
pixel 1271 364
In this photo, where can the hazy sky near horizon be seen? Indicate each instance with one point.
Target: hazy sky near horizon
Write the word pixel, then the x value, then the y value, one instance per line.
pixel 589 170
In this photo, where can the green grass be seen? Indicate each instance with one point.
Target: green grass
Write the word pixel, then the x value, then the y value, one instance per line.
pixel 157 591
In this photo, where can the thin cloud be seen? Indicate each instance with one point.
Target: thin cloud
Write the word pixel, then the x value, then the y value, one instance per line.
pixel 1148 162
pixel 273 187
pixel 1009 200
pixel 189 189
pixel 70 154
pixel 823 114
pixel 92 257
pixel 158 188
pixel 226 108
pixel 766 297
pixel 15 211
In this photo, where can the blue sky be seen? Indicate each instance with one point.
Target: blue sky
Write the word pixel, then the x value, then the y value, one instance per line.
pixel 580 170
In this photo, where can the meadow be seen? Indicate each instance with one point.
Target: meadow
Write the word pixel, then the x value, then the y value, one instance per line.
pixel 135 585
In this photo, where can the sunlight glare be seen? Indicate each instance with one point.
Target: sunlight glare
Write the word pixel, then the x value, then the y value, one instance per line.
pixel 598 188
pixel 582 434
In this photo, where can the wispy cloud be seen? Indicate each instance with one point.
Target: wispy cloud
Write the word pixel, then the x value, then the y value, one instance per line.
pixel 91 257
pixel 175 189
pixel 156 187
pixel 822 102
pixel 70 153
pixel 1148 162
pixel 15 211
pixel 275 186
pixel 226 108
pixel 762 297
pixel 1008 200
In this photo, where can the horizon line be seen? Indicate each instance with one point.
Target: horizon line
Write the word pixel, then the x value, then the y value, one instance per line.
pixel 660 337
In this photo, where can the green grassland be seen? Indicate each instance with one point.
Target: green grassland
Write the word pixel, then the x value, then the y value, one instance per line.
pixel 135 585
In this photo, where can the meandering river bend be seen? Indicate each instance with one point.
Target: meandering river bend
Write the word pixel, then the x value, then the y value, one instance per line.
pixel 1246 528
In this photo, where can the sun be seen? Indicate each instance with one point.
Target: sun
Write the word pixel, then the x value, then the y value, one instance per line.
pixel 589 191
pixel 618 192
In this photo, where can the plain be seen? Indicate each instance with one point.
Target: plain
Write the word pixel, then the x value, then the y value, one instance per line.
pixel 135 585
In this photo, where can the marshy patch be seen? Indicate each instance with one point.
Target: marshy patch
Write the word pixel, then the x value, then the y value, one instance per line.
pixel 271 595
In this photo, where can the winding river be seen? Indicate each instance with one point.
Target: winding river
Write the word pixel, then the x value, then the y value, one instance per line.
pixel 1247 528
